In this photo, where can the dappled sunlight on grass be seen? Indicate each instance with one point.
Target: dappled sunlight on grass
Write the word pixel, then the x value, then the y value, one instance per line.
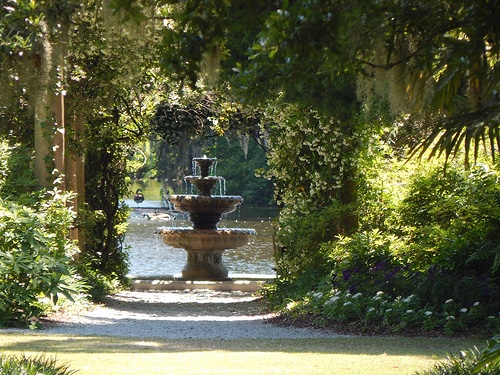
pixel 345 355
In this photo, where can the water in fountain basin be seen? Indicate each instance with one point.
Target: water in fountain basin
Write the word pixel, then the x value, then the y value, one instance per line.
pixel 149 256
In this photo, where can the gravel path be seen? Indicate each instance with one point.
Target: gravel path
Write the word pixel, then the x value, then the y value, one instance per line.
pixel 196 314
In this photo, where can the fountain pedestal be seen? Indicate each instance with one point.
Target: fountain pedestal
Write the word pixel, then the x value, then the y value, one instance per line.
pixel 205 243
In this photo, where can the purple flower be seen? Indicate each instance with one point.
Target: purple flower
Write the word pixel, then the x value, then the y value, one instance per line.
pixel 346 274
pixel 379 266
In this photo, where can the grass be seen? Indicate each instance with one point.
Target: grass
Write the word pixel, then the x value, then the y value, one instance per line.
pixel 346 355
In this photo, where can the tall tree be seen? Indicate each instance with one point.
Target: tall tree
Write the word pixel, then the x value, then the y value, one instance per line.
pixel 34 36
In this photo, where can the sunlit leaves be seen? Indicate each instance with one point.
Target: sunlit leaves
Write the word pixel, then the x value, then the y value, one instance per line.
pixel 34 256
pixel 470 132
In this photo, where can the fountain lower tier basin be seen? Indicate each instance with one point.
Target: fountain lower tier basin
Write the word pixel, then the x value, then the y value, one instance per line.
pixel 205 239
pixel 205 248
pixel 205 211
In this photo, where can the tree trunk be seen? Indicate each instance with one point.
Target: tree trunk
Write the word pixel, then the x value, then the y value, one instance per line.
pixel 43 139
pixel 44 120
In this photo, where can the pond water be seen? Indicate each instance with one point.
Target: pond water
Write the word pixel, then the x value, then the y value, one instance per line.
pixel 150 256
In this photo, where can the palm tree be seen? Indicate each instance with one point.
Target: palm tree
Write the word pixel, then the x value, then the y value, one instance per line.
pixel 455 69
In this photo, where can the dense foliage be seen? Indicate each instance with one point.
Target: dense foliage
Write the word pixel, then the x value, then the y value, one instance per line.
pixel 103 260
pixel 34 258
pixel 431 262
pixel 35 251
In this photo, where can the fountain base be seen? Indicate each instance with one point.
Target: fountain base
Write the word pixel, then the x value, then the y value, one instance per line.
pixel 204 248
pixel 204 266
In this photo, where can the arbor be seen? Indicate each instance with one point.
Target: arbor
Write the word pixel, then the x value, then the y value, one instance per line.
pixel 435 61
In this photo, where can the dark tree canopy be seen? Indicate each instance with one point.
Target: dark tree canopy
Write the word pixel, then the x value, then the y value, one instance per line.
pixel 443 57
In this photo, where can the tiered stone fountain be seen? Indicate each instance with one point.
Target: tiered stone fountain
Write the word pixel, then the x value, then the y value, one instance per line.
pixel 204 242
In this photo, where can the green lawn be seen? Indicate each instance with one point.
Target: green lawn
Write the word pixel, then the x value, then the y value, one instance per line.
pixel 354 355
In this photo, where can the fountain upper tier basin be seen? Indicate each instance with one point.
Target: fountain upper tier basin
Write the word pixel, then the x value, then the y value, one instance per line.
pixel 205 240
pixel 204 184
pixel 205 211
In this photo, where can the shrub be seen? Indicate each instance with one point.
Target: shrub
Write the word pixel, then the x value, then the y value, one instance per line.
pixel 22 365
pixel 300 237
pixel 17 179
pixel 34 257
pixel 440 247
pixel 490 355
pixel 463 364
pixel 453 219
pixel 366 263
pixel 451 223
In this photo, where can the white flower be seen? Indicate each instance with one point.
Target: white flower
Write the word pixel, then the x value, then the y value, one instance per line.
pixel 448 301
pixel 476 304
pixel 371 309
pixel 318 295
pixel 408 299
pixel 428 313
pixel 348 295
pixel 332 300
pixel 464 310
pixel 409 311
pixel 357 295
pixel 291 305
pixel 380 293
pixel 347 303
pixel 451 317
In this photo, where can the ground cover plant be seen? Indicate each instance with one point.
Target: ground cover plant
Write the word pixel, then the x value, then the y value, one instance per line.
pixel 24 365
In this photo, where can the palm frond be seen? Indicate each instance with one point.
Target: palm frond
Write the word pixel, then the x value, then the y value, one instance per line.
pixel 466 132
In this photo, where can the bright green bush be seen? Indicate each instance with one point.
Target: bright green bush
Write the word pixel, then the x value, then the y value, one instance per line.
pixel 433 267
pixel 22 365
pixel 34 257
pixel 17 180
pixel 453 219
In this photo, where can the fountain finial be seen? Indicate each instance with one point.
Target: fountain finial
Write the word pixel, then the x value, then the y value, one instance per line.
pixel 204 163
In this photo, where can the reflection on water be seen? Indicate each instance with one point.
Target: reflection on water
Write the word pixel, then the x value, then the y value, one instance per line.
pixel 149 255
